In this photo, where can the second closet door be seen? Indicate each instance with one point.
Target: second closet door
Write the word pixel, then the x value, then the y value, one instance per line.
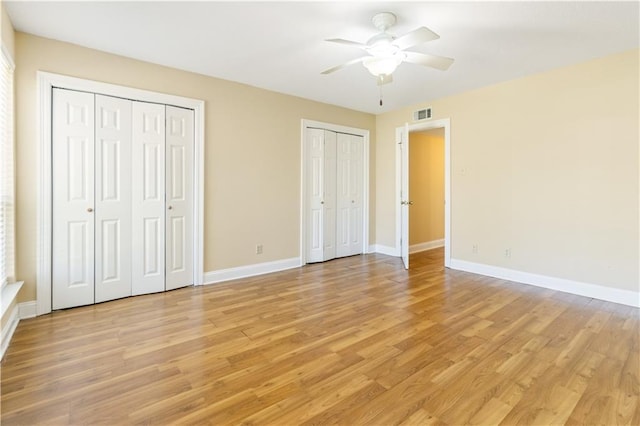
pixel 162 197
pixel 335 190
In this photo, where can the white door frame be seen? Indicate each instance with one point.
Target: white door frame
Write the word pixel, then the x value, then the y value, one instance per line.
pixel 444 123
pixel 304 207
pixel 46 82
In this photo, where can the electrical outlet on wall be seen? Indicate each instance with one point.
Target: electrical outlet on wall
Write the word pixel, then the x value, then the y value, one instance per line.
pixel 474 249
pixel 507 253
pixel 259 249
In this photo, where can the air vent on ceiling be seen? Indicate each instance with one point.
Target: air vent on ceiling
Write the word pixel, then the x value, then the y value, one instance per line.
pixel 422 114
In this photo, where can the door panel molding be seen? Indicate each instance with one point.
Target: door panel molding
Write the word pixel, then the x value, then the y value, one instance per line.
pixel 46 82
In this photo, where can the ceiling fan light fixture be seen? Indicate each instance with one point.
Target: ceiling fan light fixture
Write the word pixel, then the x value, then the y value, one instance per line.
pixel 385 51
pixel 381 45
pixel 383 65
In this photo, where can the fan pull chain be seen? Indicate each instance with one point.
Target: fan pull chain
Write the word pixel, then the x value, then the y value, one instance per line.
pixel 380 87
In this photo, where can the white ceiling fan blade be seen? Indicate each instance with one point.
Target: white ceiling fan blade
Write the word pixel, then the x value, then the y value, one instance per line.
pixel 437 62
pixel 346 64
pixel 415 37
pixel 347 42
pixel 384 79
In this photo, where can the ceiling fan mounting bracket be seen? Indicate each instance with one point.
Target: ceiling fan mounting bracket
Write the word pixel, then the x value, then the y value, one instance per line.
pixel 384 20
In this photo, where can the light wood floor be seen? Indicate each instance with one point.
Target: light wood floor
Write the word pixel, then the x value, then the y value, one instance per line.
pixel 352 341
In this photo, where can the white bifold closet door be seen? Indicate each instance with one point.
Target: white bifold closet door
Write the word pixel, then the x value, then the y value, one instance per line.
pixel 335 191
pixel 112 198
pixel 148 186
pixel 349 195
pixel 73 198
pixel 122 198
pixel 91 198
pixel 179 197
pixel 162 197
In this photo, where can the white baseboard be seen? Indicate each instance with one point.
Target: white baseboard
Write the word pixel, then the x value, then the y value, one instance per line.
pixel 389 251
pixel 250 270
pixel 8 329
pixel 27 309
pixel 429 245
pixel 610 294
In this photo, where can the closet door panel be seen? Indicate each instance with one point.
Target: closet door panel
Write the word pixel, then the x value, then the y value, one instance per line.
pixel 148 198
pixel 350 189
pixel 179 197
pixel 356 191
pixel 315 191
pixel 343 221
pixel 73 198
pixel 330 196
pixel 113 198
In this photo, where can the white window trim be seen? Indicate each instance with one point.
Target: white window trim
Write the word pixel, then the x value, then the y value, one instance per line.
pixel 6 55
pixel 46 82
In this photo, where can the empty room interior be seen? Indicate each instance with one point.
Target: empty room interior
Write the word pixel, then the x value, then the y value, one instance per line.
pixel 358 213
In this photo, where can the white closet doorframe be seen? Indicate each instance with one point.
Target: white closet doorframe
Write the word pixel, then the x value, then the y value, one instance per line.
pixel 46 82
pixel 304 208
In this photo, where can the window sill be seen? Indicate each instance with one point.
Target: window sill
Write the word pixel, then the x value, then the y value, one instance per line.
pixel 9 294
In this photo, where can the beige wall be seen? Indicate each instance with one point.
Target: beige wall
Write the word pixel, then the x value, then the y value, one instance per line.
pixel 546 166
pixel 252 152
pixel 426 186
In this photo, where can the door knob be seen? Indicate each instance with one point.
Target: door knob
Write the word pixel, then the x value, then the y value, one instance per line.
pixel 406 203
pixel 170 207
pixel 89 209
pixel 322 202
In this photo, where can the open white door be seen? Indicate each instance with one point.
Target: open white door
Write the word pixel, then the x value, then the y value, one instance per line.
pixel 402 186
pixel 403 143
pixel 404 194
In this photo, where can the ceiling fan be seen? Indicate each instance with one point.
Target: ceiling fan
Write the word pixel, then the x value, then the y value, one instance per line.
pixel 386 52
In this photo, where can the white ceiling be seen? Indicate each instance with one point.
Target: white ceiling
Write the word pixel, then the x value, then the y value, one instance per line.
pixel 280 45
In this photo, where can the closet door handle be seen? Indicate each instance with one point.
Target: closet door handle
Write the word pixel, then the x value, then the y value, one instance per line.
pixel 170 207
pixel 89 209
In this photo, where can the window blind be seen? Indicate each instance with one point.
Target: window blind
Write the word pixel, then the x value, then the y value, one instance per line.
pixel 7 199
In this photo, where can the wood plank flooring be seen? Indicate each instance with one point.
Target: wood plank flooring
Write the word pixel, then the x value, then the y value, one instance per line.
pixel 352 341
